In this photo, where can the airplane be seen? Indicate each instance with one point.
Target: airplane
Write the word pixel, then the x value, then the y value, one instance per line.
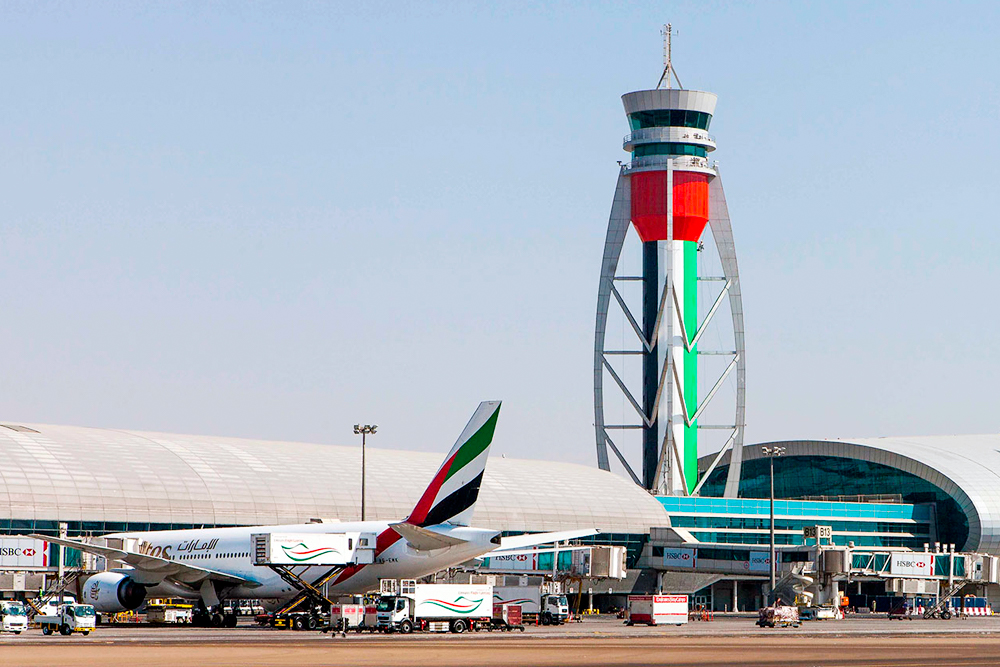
pixel 214 564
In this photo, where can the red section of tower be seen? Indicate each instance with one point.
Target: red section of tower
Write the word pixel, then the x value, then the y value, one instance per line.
pixel 649 205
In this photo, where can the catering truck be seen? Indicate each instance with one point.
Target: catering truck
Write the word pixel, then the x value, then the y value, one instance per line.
pixel 657 609
pixel 69 619
pixel 13 617
pixel 537 605
pixel 435 608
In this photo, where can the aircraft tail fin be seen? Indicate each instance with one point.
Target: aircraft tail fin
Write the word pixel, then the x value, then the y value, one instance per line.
pixel 452 494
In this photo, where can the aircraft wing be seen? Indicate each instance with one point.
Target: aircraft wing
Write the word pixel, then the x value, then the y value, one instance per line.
pixel 534 539
pixel 154 566
pixel 423 539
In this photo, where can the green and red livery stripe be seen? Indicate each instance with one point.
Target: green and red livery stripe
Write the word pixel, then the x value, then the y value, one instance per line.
pixel 455 607
pixel 470 449
pixel 306 553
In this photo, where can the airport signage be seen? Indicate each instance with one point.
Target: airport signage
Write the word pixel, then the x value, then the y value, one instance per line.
pixel 912 564
pixel 23 552
pixel 519 561
pixel 678 558
pixel 760 561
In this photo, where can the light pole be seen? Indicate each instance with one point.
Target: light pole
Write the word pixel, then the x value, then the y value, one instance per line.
pixel 771 453
pixel 363 431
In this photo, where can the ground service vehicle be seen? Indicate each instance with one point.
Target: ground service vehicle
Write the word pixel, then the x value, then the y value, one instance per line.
pixel 657 609
pixel 346 616
pixel 778 616
pixel 13 617
pixel 436 608
pixel 71 618
pixel 507 617
pixel 536 604
pixel 168 612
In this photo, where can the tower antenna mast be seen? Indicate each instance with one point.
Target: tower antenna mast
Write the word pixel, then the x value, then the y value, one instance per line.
pixel 668 68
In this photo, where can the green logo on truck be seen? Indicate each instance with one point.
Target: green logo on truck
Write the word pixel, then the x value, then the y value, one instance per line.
pixel 458 606
pixel 301 553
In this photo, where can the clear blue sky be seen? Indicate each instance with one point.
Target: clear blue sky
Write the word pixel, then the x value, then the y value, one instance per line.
pixel 277 219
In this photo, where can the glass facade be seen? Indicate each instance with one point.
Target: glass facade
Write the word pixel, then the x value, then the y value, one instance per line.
pixel 642 150
pixel 746 521
pixel 669 118
pixel 799 476
pixel 632 542
pixel 739 555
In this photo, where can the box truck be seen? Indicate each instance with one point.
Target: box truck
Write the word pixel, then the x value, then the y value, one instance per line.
pixel 537 605
pixel 436 608
pixel 657 609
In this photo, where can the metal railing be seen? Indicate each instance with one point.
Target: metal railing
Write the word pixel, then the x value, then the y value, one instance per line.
pixel 660 160
pixel 662 134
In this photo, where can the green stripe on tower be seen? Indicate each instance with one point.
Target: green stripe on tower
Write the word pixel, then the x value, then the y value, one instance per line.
pixel 691 362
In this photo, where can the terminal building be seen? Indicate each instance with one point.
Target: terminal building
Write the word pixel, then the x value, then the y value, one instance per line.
pixel 877 496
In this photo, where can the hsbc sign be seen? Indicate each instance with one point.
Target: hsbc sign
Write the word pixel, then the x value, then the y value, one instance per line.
pixel 912 565
pixel 519 561
pixel 23 552
pixel 678 558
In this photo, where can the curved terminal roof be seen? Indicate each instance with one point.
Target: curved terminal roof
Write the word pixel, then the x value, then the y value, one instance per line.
pixel 68 473
pixel 966 467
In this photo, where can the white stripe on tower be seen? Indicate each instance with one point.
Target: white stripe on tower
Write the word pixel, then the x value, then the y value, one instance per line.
pixel 677 351
pixel 663 344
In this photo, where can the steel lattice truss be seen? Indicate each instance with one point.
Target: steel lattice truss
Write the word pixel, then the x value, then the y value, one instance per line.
pixel 669 454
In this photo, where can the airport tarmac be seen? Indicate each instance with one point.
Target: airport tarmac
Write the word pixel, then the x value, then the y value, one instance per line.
pixel 595 641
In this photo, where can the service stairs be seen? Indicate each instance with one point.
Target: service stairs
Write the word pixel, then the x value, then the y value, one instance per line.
pixel 68 579
pixel 942 601
pixel 307 591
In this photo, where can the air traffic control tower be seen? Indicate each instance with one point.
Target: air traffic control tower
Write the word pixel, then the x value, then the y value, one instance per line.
pixel 669 193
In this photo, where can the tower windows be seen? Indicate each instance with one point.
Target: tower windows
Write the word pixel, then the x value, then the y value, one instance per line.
pixel 669 118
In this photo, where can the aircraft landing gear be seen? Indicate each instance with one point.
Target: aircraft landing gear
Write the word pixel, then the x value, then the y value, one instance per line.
pixel 212 618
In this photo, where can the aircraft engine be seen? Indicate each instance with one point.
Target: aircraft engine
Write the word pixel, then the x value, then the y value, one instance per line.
pixel 111 592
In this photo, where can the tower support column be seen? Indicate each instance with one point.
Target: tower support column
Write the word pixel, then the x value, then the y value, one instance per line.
pixel 651 292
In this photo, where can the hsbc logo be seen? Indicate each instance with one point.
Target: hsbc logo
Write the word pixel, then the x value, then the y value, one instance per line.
pixel 512 558
pixel 22 552
pixel 17 552
pixel 912 564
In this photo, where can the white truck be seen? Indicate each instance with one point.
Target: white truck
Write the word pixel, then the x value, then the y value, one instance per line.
pixel 537 605
pixel 13 617
pixel 657 609
pixel 436 608
pixel 70 618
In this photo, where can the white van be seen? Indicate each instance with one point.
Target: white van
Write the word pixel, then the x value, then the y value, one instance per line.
pixel 13 617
